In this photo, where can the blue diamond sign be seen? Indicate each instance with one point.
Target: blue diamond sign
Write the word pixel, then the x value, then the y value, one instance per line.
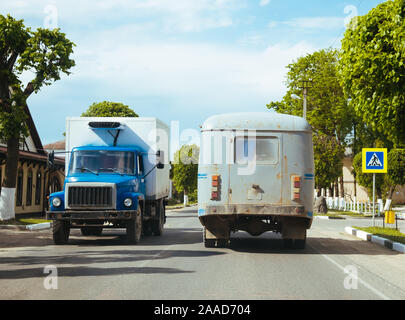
pixel 374 160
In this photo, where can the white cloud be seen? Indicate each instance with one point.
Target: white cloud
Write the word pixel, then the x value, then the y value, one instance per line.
pixel 188 71
pixel 172 16
pixel 316 22
pixel 264 2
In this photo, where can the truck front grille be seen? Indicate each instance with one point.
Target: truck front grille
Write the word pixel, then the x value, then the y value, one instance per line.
pixel 80 197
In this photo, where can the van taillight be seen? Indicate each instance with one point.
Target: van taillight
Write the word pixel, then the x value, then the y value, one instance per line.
pixel 215 188
pixel 295 188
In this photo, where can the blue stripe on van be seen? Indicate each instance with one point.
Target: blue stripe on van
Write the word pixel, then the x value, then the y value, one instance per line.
pixel 308 175
pixel 202 176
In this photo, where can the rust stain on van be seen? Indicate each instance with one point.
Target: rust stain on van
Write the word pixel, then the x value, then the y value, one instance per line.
pixel 285 165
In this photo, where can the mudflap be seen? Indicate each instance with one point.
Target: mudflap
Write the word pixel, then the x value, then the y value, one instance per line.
pixel 217 227
pixel 294 228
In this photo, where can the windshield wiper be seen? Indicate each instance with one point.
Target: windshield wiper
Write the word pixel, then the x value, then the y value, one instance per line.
pixel 87 169
pixel 113 170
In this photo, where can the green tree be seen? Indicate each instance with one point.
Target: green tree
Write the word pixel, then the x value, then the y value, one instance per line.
pixel 185 169
pixel 328 111
pixel 327 159
pixel 396 171
pixel 372 69
pixel 43 53
pixel 109 109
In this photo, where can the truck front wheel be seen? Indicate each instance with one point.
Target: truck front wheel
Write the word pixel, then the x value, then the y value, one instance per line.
pixel 134 228
pixel 60 231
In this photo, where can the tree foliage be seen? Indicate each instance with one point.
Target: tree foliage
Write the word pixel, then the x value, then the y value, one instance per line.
pixel 44 53
pixel 372 69
pixel 109 109
pixel 328 111
pixel 185 169
pixel 396 170
pixel 328 156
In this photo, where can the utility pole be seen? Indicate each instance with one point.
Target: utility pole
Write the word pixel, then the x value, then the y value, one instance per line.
pixel 305 86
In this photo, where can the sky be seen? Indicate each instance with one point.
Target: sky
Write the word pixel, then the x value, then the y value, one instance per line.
pixel 178 60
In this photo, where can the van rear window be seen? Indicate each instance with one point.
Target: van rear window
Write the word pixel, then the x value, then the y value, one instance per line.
pixel 263 150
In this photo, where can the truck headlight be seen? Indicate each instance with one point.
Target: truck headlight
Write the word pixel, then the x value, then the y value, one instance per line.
pixel 128 202
pixel 56 202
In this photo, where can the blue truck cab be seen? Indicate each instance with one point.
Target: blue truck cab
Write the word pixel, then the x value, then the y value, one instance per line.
pixel 106 187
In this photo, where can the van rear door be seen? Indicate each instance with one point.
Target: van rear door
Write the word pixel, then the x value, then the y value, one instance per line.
pixel 255 177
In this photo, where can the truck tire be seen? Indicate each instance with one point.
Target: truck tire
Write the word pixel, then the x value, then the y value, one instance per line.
pixel 91 231
pixel 157 225
pixel 60 232
pixel 134 228
pixel 147 228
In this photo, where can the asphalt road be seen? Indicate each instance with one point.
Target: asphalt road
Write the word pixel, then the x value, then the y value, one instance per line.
pixel 177 266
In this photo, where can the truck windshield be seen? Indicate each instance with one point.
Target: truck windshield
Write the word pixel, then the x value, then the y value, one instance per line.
pixel 102 161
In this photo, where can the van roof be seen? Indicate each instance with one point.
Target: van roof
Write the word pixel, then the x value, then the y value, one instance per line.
pixel 263 121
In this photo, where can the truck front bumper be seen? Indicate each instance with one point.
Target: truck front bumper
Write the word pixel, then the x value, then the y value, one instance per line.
pixel 90 215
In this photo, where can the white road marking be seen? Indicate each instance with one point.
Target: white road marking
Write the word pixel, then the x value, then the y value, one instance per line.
pixel 364 283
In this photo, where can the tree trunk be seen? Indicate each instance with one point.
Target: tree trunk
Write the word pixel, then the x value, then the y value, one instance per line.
pixel 336 185
pixel 185 198
pixel 7 198
pixel 342 187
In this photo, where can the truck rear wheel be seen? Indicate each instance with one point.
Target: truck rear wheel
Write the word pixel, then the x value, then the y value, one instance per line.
pixel 157 225
pixel 134 228
pixel 60 231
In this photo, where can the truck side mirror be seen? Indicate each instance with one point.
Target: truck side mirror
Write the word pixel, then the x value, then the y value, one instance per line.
pixel 51 160
pixel 160 159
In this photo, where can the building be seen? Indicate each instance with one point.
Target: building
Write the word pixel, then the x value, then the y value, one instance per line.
pixel 34 179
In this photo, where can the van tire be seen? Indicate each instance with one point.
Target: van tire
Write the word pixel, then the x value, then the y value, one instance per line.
pixel 299 244
pixel 208 243
pixel 60 232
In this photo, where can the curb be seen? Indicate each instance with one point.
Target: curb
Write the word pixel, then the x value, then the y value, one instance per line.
pixel 38 226
pixel 30 227
pixel 329 218
pixel 12 227
pixel 396 246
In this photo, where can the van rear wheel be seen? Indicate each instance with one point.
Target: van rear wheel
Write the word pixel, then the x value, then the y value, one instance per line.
pixel 294 243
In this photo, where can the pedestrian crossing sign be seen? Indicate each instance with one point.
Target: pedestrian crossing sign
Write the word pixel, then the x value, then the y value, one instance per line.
pixel 374 160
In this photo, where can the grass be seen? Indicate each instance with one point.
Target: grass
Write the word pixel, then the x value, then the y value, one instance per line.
pixel 23 221
pixel 336 213
pixel 388 233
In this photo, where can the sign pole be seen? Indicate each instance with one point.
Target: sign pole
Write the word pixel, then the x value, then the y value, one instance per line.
pixel 373 199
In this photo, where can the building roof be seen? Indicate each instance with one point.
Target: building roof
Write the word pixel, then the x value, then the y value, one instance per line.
pixel 261 121
pixel 58 145
pixel 31 156
pixel 33 132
